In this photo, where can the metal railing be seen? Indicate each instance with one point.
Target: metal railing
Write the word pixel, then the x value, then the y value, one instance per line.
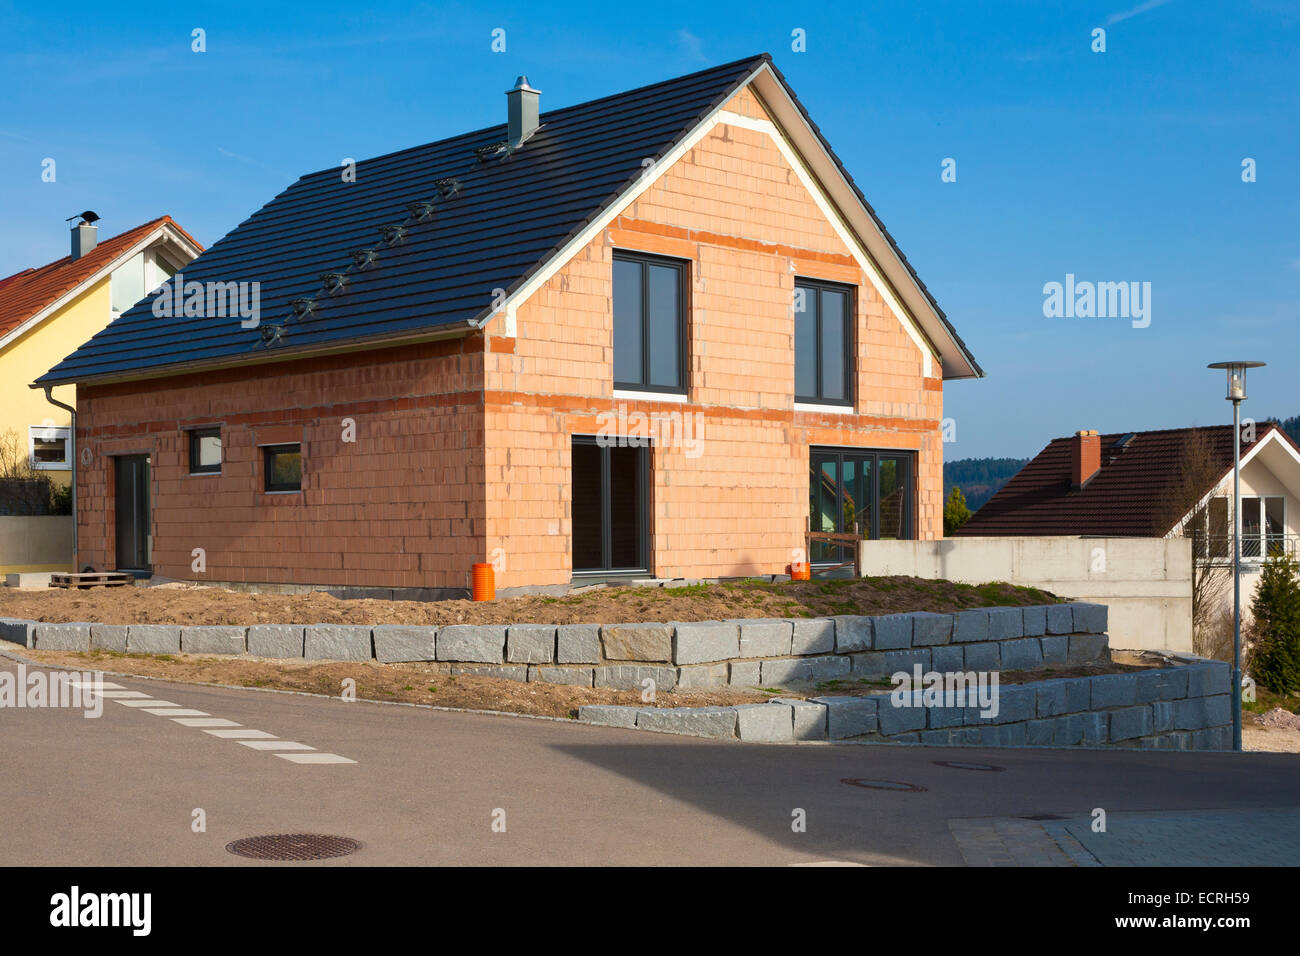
pixel 1255 546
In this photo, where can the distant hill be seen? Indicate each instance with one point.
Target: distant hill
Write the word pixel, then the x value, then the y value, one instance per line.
pixel 979 478
pixel 1291 426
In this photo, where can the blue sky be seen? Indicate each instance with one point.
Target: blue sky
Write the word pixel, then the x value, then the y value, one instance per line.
pixel 1115 166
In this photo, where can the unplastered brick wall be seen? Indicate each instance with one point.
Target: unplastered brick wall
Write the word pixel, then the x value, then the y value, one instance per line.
pixel 737 212
pixel 402 505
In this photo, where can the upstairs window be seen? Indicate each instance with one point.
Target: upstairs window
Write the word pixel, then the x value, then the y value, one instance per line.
pixel 823 343
pixel 283 466
pixel 47 447
pixel 649 323
pixel 205 451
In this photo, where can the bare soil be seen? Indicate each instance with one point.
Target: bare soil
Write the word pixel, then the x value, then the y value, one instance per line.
pixel 432 684
pixel 198 604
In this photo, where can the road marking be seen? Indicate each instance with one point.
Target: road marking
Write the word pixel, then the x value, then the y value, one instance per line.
pixel 99 685
pixel 241 734
pixel 276 745
pixel 148 702
pixel 205 722
pixel 176 712
pixel 315 758
pixel 118 694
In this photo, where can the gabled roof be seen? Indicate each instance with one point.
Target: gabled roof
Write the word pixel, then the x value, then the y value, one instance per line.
pixel 495 221
pixel 26 294
pixel 1127 497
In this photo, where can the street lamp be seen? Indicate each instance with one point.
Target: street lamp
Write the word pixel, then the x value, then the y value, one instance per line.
pixel 1236 395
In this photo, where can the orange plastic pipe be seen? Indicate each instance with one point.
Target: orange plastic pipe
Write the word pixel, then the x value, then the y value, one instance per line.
pixel 484 583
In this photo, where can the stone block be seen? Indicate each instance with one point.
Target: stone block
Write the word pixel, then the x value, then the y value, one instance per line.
pixel 530 643
pixel 1163 683
pixel 1212 738
pixel 970 625
pixel 1033 621
pixel 577 644
pixel 632 676
pixel 852 633
pixel 1128 723
pixel 1040 733
pixel 849 716
pixel 930 628
pixel 765 638
pixel 62 637
pixel 803 670
pixel 1205 678
pixel 517 672
pixel 608 715
pixel 982 657
pixel 891 632
pixel 898 717
pixel 1078 695
pixel 771 722
pixel 744 673
pixel 1086 647
pixel 701 642
pixel 691 721
pixel 108 637
pixel 1021 654
pixel 214 639
pixel 276 640
pixel 404 642
pixel 887 663
pixel 573 676
pixel 692 676
pixel 1095 726
pixel 334 642
pixel 812 636
pixel 17 630
pixel 1067 731
pixel 1052 698
pixel 1113 690
pixel 1005 623
pixel 637 642
pixel 810 719
pixel 161 638
pixel 470 643
pixel 1060 618
pixel 1089 618
pixel 946 658
pixel 1056 648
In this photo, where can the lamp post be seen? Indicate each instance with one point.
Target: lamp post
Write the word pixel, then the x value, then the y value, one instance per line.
pixel 1236 395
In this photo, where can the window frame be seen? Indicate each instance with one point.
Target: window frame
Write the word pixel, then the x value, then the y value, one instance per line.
pixel 643 515
pixel 841 454
pixel 644 259
pixel 50 432
pixel 850 342
pixel 194 435
pixel 268 452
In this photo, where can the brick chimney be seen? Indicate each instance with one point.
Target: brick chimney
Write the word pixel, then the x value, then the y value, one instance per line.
pixel 1085 457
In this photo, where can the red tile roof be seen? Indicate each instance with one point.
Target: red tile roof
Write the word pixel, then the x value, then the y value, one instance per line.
pixel 1127 497
pixel 26 293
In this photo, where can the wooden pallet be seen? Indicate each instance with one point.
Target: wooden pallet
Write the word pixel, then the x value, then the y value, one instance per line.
pixel 91 579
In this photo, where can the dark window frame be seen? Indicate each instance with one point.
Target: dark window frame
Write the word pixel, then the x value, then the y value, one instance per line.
pixel 270 451
pixel 195 434
pixel 606 500
pixel 840 454
pixel 817 286
pixel 682 266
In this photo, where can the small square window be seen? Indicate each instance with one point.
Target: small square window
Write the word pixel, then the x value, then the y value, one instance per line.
pixel 283 467
pixel 205 451
pixel 47 447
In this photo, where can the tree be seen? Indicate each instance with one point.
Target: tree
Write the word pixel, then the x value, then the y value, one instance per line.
pixel 955 512
pixel 1275 654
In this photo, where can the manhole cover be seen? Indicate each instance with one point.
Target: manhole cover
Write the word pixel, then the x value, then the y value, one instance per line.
pixel 882 784
pixel 294 846
pixel 963 765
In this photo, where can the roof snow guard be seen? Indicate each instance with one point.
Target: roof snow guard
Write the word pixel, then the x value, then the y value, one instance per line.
pixel 468 228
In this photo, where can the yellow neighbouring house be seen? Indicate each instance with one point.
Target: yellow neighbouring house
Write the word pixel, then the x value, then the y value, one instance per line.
pixel 45 314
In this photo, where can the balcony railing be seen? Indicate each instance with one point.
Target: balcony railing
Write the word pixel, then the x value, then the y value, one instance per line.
pixel 1254 546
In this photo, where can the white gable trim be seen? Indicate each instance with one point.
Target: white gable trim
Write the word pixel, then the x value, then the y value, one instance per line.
pixel 1274 435
pixel 164 231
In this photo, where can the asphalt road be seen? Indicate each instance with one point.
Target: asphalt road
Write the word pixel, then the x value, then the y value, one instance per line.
pixel 425 787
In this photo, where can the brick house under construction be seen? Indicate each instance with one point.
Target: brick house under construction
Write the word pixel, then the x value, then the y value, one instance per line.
pixel 650 335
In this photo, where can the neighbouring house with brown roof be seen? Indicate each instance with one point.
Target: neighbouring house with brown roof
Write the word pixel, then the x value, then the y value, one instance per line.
pixel 47 311
pixel 657 334
pixel 1174 482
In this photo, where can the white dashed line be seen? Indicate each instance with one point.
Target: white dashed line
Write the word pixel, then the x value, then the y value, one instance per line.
pixel 100 685
pixel 176 712
pixel 315 758
pixel 241 734
pixel 276 745
pixel 205 722
pixel 119 694
pixel 148 702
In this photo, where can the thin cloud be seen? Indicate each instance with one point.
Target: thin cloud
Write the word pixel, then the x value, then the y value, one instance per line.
pixel 691 45
pixel 1139 9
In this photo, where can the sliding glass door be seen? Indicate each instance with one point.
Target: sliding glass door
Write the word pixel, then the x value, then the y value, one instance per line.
pixel 610 507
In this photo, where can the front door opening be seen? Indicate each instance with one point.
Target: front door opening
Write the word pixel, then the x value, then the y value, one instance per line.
pixel 131 518
pixel 610 508
pixel 864 493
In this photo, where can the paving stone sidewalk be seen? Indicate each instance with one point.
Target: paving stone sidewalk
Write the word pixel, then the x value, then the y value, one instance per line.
pixel 1266 837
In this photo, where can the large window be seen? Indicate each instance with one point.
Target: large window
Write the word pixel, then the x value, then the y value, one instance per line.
pixel 611 512
pixel 823 343
pixel 649 323
pixel 866 494
pixel 283 465
pixel 1263 528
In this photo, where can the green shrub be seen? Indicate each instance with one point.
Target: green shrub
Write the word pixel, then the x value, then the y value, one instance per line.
pixel 1275 656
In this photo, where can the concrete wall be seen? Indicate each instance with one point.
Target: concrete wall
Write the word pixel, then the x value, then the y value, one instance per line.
pixel 1146 582
pixel 35 543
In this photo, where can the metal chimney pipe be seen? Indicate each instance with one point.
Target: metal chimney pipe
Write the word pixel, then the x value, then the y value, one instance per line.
pixel 522 111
